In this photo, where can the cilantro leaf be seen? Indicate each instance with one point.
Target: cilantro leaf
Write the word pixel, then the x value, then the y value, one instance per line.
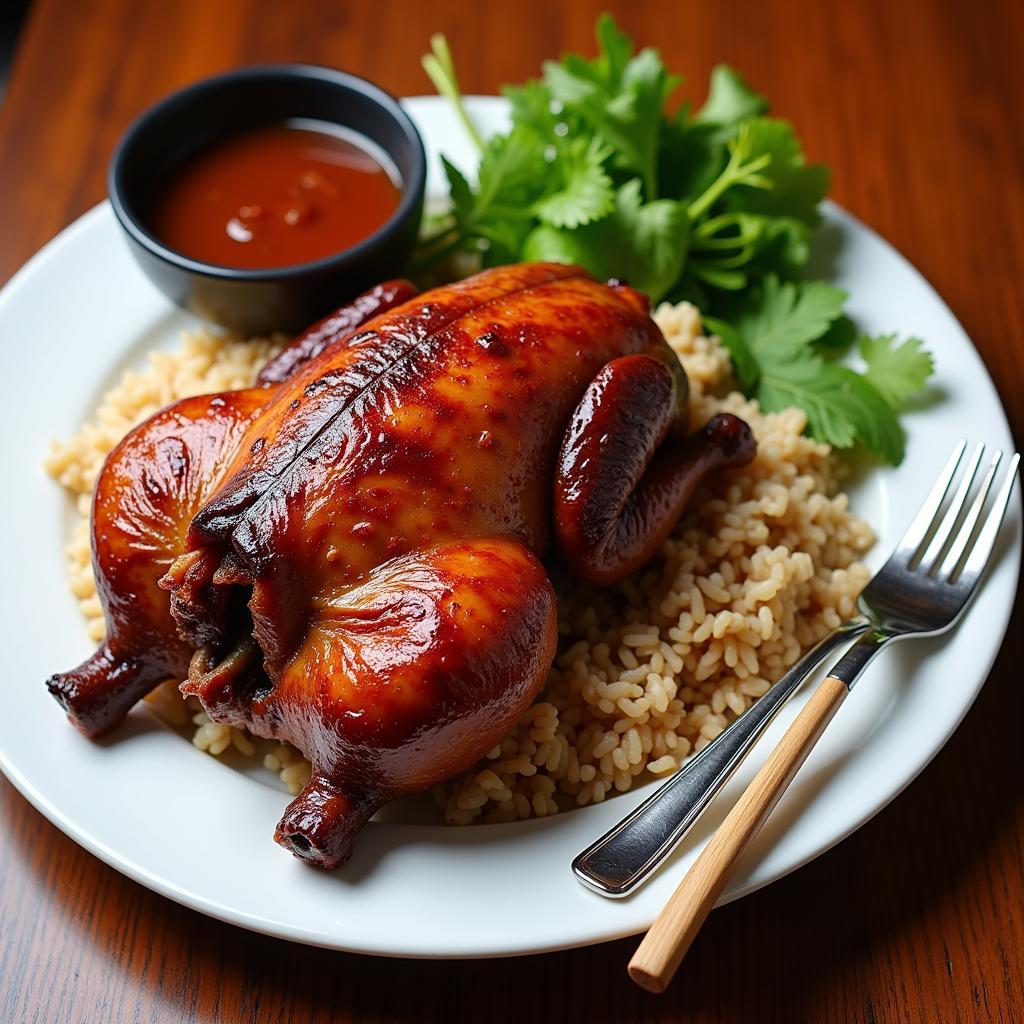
pixel 586 193
pixel 841 406
pixel 717 207
pixel 731 249
pixel 655 236
pixel 782 246
pixel 775 334
pixel 799 382
pixel 511 173
pixel 689 157
pixel 784 317
pixel 644 243
pixel 747 368
pixel 898 371
pixel 730 100
pixel 461 193
pixel 619 99
pixel 531 108
pixel 878 429
pixel 842 333
pixel 794 188
pixel 614 48
pixel 512 169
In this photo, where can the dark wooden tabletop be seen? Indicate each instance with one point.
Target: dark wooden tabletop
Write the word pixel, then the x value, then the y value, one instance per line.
pixel 919 109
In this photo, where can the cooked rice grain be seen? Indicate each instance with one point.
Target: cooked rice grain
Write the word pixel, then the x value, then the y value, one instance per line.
pixel 763 564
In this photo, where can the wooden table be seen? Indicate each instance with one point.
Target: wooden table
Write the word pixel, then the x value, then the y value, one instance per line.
pixel 919 109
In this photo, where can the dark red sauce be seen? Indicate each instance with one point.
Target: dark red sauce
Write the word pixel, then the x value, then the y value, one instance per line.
pixel 275 197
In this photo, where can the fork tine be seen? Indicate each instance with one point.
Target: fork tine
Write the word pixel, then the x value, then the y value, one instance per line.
pixel 932 557
pixel 961 542
pixel 917 532
pixel 982 550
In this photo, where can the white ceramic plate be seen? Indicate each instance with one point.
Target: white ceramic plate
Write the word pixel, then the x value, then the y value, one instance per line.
pixel 190 827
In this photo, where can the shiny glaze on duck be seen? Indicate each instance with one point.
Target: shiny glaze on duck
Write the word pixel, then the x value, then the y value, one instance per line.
pixel 358 572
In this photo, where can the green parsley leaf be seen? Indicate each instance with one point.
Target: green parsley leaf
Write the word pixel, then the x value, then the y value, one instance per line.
pixel 898 371
pixel 747 368
pixel 531 108
pixel 689 157
pixel 614 50
pixel 461 193
pixel 841 406
pixel 782 246
pixel 794 188
pixel 784 317
pixel 586 194
pixel 842 333
pixel 655 236
pixel 748 246
pixel 800 383
pixel 512 170
pixel 717 207
pixel 730 100
pixel 774 335
pixel 643 243
pixel 620 100
pixel 877 426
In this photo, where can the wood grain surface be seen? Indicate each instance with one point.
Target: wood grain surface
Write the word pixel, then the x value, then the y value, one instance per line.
pixel 919 109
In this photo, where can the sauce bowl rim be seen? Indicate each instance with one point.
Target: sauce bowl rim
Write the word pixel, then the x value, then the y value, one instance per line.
pixel 412 187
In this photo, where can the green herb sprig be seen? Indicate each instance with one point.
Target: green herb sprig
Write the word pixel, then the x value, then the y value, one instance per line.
pixel 717 206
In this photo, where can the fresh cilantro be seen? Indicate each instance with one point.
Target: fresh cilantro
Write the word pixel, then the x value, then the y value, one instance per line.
pixel 586 192
pixel 744 167
pixel 531 110
pixel 777 322
pixel 440 69
pixel 747 368
pixel 787 316
pixel 620 102
pixel 689 157
pixel 495 216
pixel 776 335
pixel 841 406
pixel 786 186
pixel 898 371
pixel 717 207
pixel 649 238
pixel 730 101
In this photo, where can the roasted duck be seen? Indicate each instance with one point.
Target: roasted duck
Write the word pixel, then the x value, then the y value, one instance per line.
pixel 347 556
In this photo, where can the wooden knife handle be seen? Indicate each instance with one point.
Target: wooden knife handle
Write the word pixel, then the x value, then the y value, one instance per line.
pixel 664 946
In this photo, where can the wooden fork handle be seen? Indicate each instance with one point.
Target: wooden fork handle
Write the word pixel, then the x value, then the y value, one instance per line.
pixel 664 946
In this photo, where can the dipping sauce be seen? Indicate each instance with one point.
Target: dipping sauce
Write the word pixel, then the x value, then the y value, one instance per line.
pixel 275 197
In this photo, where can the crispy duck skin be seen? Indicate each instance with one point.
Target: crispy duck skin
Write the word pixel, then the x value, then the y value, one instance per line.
pixel 152 483
pixel 334 327
pixel 363 577
pixel 149 488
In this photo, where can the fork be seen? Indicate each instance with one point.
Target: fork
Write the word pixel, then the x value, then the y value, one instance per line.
pixel 922 590
pixel 634 848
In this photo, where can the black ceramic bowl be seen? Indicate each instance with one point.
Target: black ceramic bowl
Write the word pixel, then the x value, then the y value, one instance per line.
pixel 288 298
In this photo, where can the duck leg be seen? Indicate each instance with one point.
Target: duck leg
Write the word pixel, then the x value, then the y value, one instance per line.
pixel 148 490
pixel 622 481
pixel 104 688
pixel 320 825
